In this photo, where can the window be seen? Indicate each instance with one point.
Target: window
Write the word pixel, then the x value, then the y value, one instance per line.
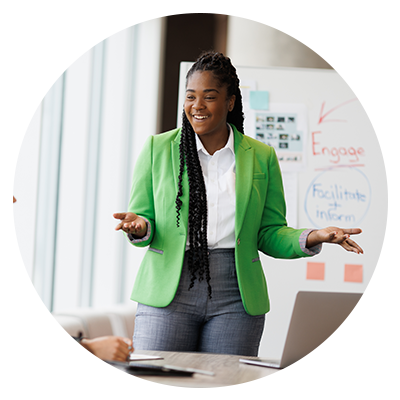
pixel 78 155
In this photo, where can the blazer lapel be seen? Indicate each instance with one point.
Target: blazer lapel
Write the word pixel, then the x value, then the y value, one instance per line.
pixel 244 157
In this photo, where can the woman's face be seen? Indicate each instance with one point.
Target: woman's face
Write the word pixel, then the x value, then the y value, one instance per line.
pixel 207 104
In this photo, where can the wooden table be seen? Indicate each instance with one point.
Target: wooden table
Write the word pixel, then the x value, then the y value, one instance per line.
pixel 228 372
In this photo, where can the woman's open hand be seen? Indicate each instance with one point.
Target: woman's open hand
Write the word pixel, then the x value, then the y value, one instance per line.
pixel 131 223
pixel 335 235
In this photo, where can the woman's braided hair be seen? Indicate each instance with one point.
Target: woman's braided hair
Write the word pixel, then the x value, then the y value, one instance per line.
pixel 225 73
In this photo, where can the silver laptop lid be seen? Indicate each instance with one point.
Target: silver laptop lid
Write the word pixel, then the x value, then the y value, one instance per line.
pixel 337 331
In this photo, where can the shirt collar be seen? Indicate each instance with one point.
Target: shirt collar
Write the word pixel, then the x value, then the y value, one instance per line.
pixel 229 143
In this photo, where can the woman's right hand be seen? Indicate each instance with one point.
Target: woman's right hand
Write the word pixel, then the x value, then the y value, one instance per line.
pixel 131 223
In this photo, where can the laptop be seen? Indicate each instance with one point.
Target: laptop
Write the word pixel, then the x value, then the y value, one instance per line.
pixel 334 331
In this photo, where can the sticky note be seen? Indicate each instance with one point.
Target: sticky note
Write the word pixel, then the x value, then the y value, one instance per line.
pixel 353 273
pixel 259 100
pixel 316 271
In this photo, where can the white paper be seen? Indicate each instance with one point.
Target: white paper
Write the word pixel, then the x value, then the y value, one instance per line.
pixel 140 357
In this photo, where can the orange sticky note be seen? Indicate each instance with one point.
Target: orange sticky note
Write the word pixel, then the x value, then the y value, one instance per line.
pixel 316 271
pixel 353 273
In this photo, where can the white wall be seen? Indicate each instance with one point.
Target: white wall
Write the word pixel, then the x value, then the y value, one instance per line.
pixel 253 44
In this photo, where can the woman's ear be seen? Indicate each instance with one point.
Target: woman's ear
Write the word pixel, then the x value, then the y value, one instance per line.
pixel 231 103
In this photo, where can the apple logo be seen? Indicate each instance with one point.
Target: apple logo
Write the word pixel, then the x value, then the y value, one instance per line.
pixel 341 331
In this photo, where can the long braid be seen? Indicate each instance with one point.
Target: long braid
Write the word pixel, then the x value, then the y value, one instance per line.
pixel 198 261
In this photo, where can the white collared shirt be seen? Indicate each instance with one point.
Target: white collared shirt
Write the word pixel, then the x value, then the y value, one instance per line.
pixel 219 171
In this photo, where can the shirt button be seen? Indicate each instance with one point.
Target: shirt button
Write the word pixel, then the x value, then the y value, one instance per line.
pixel 238 241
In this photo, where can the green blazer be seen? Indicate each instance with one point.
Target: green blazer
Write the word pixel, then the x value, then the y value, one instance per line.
pixel 260 222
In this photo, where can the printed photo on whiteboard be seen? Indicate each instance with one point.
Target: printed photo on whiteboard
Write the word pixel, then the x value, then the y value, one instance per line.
pixel 283 127
pixel 284 136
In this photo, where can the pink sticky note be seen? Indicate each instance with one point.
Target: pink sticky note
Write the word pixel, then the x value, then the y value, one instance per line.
pixel 316 271
pixel 353 273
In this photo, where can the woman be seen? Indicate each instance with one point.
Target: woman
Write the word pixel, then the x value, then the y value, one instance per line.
pixel 201 286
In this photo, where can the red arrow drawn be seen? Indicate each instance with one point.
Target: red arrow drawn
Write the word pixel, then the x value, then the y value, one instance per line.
pixel 322 116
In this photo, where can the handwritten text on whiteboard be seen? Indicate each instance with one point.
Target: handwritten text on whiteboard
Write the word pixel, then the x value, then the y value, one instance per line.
pixel 333 145
pixel 338 197
pixel 336 154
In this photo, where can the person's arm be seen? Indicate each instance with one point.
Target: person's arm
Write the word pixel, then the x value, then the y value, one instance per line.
pixel 34 340
pixel 275 238
pixel 281 241
pixel 30 370
pixel 312 249
pixel 112 348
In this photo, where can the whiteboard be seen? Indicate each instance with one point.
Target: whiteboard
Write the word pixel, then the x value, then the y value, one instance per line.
pixel 342 183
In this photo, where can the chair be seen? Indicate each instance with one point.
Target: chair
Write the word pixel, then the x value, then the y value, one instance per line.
pixel 94 322
pixel 122 317
pixel 117 320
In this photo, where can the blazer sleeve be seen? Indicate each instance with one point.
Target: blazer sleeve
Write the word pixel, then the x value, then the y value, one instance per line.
pixel 275 238
pixel 141 198
pixel 34 340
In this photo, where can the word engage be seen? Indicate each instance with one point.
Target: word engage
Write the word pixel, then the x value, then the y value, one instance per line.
pixel 334 153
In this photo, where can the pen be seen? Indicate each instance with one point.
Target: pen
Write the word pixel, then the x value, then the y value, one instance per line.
pixel 79 338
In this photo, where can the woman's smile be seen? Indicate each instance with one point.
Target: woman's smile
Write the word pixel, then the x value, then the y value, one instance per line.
pixel 199 117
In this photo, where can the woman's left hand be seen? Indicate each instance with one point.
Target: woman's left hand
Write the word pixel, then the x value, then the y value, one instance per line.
pixel 335 235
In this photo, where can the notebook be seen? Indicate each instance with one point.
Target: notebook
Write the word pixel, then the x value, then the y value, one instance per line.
pixel 335 331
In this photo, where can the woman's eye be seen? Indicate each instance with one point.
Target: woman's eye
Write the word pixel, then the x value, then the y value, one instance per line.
pixel 210 98
pixel 189 97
